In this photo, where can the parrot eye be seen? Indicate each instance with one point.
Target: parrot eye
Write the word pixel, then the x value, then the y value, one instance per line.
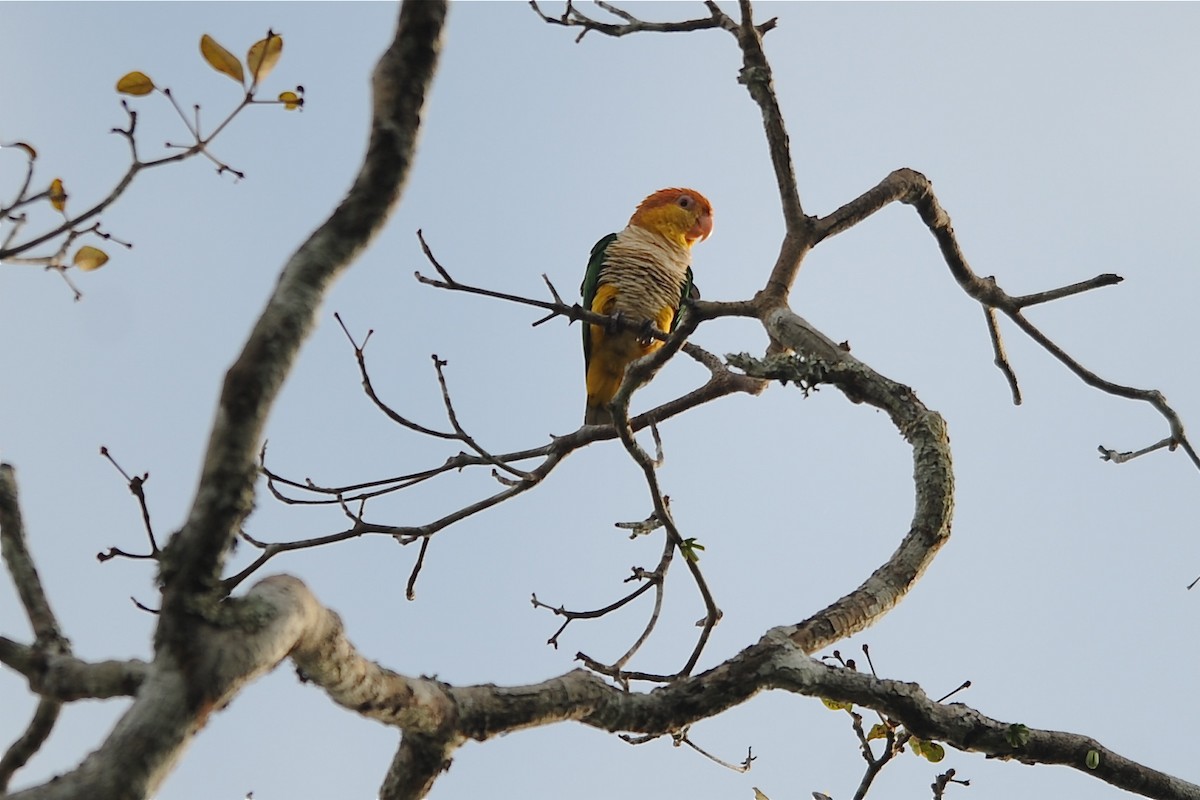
pixel 685 201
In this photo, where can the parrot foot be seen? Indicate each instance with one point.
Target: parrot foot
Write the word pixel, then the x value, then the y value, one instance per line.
pixel 646 332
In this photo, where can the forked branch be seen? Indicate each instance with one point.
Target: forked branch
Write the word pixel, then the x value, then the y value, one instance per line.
pixel 912 188
pixel 572 17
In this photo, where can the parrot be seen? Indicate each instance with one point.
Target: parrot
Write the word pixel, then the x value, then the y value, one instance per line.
pixel 644 273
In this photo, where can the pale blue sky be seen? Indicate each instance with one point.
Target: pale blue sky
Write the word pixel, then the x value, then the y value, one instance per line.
pixel 1060 138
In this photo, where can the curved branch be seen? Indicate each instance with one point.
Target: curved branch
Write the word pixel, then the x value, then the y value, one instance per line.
pixel 821 361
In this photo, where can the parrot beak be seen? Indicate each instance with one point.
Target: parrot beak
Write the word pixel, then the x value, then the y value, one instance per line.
pixel 702 229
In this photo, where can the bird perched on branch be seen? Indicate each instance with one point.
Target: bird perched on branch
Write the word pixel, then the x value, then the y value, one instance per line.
pixel 643 274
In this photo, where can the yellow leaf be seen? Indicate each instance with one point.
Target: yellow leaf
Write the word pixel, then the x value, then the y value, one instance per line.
pixel 88 258
pixel 758 795
pixel 263 56
pixel 135 83
pixel 27 148
pixel 835 705
pixel 58 195
pixel 291 101
pixel 930 751
pixel 878 731
pixel 221 59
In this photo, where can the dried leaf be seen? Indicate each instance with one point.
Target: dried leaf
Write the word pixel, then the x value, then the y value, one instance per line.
pixel 58 194
pixel 878 731
pixel 291 101
pixel 136 84
pixel 221 59
pixel 88 258
pixel 264 55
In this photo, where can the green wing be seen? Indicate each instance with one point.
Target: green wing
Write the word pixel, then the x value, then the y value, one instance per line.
pixel 689 291
pixel 591 279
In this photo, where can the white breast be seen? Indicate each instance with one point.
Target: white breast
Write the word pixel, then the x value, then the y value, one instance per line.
pixel 648 270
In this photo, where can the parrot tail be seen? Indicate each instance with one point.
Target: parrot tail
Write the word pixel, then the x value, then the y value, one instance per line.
pixel 597 415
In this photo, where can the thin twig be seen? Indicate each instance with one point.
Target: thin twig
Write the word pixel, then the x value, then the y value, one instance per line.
pixel 369 388
pixel 199 146
pixel 137 489
pixel 651 580
pixel 462 435
pixel 572 17
pixel 1001 359
pixel 410 589
pixel 682 738
pixel 912 188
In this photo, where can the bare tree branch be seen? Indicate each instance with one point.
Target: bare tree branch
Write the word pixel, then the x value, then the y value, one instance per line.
pixel 67 678
pixel 21 567
pixel 1001 360
pixel 451 715
pixel 912 188
pixel 137 485
pixel 572 17
pixel 756 76
pixel 418 762
pixel 36 733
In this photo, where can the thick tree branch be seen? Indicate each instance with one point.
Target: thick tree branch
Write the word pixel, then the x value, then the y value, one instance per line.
pixel 418 762
pixel 205 650
pixel 438 717
pixel 174 699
